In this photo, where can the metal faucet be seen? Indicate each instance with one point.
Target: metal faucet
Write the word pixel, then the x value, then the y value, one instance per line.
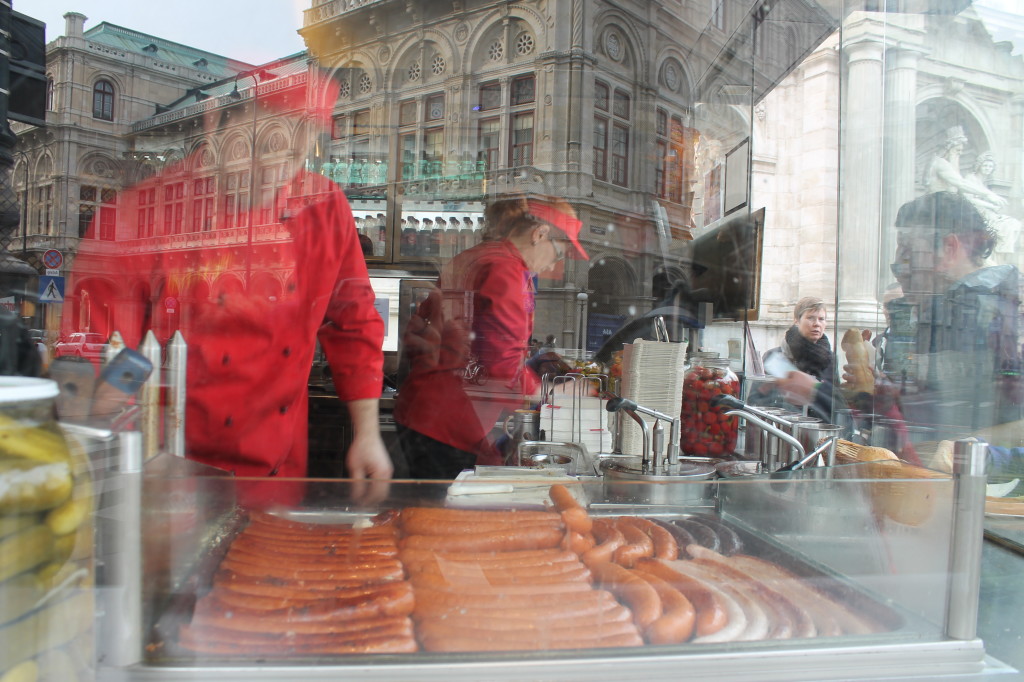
pixel 672 458
pixel 772 429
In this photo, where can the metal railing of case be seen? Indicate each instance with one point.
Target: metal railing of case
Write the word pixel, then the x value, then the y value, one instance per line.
pixel 576 387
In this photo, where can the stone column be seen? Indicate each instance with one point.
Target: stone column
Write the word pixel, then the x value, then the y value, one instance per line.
pixel 900 109
pixel 860 173
pixel 1013 172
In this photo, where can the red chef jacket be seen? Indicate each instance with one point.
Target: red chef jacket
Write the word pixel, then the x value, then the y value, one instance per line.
pixel 490 290
pixel 249 314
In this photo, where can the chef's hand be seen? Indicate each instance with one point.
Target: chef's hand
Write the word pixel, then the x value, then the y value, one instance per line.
pixel 367 457
pixel 369 466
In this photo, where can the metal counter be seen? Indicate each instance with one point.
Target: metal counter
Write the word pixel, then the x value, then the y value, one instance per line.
pixel 920 651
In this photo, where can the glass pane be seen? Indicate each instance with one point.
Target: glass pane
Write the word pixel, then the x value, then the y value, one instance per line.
pixel 407 113
pixel 553 186
pixel 601 97
pixel 490 96
pixel 435 108
pixel 621 107
pixel 523 91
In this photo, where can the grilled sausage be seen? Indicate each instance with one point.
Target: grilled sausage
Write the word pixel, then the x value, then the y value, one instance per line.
pixel 608 538
pixel 631 590
pixel 509 539
pixel 702 534
pixel 676 623
pixel 573 514
pixel 682 536
pixel 729 540
pixel 712 614
pixel 638 545
pixel 665 545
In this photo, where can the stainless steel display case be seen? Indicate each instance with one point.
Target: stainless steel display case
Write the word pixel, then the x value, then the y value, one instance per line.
pixel 908 549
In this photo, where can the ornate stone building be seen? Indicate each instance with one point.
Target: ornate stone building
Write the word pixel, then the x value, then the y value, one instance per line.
pixel 99 82
pixel 656 120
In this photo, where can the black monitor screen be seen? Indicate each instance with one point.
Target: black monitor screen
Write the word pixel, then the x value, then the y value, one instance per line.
pixel 726 267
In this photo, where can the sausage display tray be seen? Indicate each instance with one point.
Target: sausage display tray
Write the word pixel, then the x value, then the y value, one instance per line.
pixel 912 644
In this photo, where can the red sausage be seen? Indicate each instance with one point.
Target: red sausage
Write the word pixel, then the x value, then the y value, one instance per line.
pixel 437 636
pixel 261 624
pixel 341 571
pixel 665 545
pixel 396 601
pixel 501 600
pixel 573 514
pixel 341 555
pixel 608 538
pixel 580 543
pixel 497 571
pixel 711 612
pixel 631 590
pixel 389 599
pixel 216 641
pixel 501 578
pixel 510 539
pixel 424 525
pixel 678 615
pixel 258 583
pixel 523 618
pixel 442 515
pixel 637 546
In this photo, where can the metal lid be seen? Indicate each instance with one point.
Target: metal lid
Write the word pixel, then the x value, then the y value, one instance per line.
pixel 741 468
pixel 630 468
pixel 22 389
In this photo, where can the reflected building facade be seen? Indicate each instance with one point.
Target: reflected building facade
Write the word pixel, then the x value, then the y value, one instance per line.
pixel 655 120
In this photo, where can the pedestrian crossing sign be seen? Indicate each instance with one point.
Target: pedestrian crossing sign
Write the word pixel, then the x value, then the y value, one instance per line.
pixel 51 289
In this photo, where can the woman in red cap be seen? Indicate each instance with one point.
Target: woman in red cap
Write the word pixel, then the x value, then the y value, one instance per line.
pixel 483 308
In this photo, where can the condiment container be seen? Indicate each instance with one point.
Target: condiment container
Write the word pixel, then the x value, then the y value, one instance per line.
pixel 46 532
pixel 707 430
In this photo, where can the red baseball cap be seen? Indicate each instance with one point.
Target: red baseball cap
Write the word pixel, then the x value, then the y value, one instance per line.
pixel 567 222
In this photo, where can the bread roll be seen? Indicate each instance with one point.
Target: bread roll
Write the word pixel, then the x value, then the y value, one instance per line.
pixel 858 357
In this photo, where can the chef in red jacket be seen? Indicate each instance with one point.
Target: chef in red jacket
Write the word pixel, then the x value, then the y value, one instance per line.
pixel 483 308
pixel 251 292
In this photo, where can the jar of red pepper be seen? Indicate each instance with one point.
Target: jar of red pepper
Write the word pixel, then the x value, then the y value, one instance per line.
pixel 707 431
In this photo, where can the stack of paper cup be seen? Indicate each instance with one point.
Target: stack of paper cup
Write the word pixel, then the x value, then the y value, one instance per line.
pixel 652 376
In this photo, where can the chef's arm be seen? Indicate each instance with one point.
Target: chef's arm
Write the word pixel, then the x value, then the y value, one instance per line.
pixel 367 457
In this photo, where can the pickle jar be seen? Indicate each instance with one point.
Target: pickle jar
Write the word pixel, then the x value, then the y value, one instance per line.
pixel 707 431
pixel 46 539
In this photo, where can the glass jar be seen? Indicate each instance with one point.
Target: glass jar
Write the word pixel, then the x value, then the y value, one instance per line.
pixel 707 431
pixel 46 538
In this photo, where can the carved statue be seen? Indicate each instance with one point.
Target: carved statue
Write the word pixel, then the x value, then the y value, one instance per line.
pixel 1007 226
pixel 944 171
pixel 944 176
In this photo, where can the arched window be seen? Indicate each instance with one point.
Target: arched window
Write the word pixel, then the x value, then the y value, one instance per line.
pixel 103 101
pixel 49 94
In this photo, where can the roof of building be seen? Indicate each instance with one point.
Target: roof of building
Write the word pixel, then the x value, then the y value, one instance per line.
pixel 279 68
pixel 166 51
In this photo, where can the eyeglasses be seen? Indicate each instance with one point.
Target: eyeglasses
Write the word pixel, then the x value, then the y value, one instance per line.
pixel 556 244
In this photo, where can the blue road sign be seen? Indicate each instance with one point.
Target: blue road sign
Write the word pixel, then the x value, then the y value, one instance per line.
pixel 51 289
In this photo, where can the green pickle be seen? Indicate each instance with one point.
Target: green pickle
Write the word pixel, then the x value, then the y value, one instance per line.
pixel 46 562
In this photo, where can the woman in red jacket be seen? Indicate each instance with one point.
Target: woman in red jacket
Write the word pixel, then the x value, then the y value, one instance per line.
pixel 483 308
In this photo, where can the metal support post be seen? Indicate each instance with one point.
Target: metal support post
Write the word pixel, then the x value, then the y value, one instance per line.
pixel 969 469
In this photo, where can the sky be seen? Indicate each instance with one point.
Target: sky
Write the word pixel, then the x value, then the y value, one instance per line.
pixel 258 31
pixel 253 31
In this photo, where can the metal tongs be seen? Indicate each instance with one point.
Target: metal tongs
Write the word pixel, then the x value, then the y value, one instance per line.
pixel 825 445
